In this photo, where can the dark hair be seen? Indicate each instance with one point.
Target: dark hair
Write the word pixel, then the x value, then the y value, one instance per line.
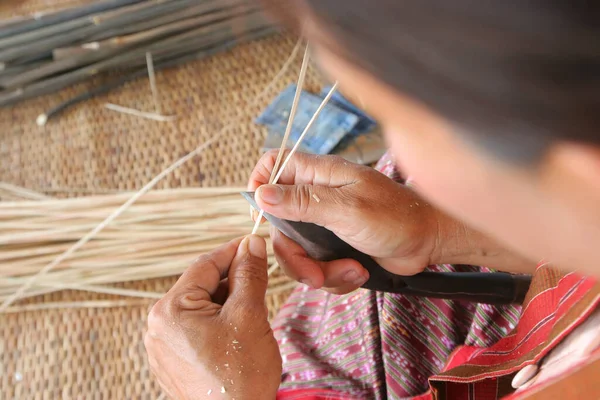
pixel 512 74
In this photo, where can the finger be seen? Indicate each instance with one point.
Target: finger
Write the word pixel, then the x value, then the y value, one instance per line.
pixel 294 261
pixel 320 205
pixel 201 280
pixel 343 276
pixel 304 169
pixel 248 274
pixel 338 276
pixel 254 214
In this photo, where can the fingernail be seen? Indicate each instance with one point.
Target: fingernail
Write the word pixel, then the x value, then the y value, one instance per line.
pixel 307 282
pixel 350 276
pixel 360 280
pixel 257 246
pixel 242 249
pixel 271 194
pixel 252 213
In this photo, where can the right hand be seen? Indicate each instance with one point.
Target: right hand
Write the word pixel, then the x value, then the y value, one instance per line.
pixel 363 207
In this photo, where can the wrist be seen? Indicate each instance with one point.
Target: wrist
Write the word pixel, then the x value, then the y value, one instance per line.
pixel 456 243
pixel 450 241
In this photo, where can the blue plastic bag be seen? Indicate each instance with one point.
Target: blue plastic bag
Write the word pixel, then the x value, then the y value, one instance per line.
pixel 329 129
pixel 365 123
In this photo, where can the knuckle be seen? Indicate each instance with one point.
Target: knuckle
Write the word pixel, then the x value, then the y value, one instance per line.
pixel 262 171
pixel 159 316
pixel 148 342
pixel 270 155
pixel 203 265
pixel 336 159
pixel 303 200
pixel 204 261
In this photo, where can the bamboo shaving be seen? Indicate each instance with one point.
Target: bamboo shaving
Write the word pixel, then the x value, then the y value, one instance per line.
pixel 138 113
pixel 153 86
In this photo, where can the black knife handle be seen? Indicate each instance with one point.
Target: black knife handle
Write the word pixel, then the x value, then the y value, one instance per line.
pixel 478 287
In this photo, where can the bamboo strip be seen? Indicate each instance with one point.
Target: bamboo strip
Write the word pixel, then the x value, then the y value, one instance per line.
pixel 63 305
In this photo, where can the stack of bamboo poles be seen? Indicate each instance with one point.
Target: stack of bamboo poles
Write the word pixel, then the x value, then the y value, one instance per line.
pixel 158 236
pixel 45 53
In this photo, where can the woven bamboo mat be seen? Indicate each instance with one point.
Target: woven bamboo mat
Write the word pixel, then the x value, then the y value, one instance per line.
pixel 98 353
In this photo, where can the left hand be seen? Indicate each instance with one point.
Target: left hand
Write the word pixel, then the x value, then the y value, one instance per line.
pixel 209 337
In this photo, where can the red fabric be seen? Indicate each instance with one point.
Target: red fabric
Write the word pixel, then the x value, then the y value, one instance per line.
pixel 312 394
pixel 460 356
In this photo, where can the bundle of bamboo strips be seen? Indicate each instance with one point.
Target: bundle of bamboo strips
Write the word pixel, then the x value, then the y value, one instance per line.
pixel 45 53
pixel 157 237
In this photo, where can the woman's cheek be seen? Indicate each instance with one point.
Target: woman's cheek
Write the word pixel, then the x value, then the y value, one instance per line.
pixel 427 163
pixel 445 173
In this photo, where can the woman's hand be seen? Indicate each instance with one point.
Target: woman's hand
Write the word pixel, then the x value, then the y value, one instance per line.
pixel 372 213
pixel 209 336
pixel 363 207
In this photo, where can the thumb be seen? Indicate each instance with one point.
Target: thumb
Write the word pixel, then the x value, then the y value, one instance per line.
pixel 320 205
pixel 248 273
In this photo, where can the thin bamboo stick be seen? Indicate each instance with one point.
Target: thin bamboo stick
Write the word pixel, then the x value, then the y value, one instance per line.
pixel 153 85
pixel 63 305
pixel 21 192
pixel 138 113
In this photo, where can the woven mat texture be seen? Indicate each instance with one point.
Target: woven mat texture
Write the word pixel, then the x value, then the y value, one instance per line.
pixel 96 353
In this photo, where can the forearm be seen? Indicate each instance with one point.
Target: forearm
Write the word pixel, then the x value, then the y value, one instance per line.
pixel 460 244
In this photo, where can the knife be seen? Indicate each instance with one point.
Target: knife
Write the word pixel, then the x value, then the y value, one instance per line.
pixel 480 287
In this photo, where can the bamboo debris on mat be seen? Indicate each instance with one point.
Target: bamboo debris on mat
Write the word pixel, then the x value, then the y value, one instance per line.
pixel 50 52
pixel 157 237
